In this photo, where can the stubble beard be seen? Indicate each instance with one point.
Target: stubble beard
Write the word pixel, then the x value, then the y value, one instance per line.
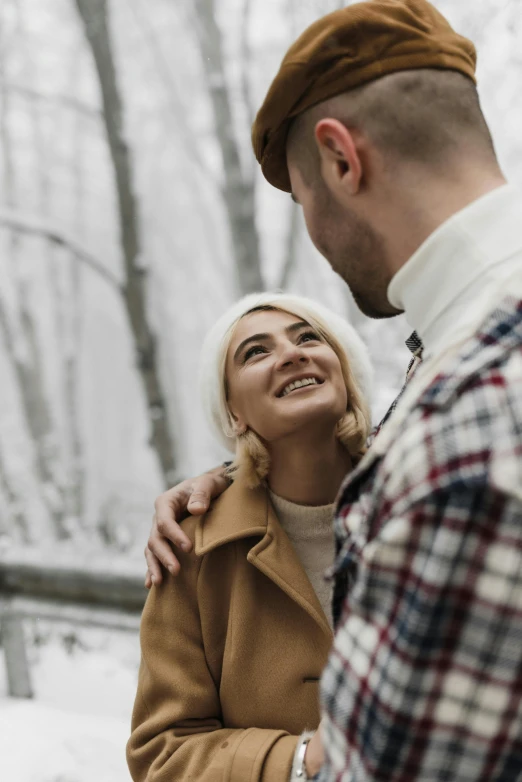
pixel 356 252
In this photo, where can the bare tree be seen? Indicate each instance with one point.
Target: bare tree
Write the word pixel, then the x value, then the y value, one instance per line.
pixel 75 487
pixel 6 487
pixel 17 521
pixel 26 359
pixel 246 61
pixel 175 106
pixel 290 258
pixel 94 15
pixel 22 223
pixel 71 347
pixel 238 186
pixel 28 373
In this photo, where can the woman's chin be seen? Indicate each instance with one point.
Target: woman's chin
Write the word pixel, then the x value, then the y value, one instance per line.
pixel 305 417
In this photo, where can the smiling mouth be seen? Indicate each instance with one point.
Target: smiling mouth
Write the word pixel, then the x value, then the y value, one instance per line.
pixel 296 384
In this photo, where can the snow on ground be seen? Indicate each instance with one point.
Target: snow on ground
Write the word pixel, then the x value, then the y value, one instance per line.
pixel 40 743
pixel 76 728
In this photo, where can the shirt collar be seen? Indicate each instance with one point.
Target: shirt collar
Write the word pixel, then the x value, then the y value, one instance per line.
pixel 456 256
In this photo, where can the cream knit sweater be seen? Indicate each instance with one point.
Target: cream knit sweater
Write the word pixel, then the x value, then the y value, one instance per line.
pixel 310 529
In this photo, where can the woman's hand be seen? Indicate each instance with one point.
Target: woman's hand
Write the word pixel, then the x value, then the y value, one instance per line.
pixel 192 496
pixel 314 756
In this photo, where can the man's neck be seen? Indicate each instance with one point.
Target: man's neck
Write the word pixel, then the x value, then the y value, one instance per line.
pixel 308 470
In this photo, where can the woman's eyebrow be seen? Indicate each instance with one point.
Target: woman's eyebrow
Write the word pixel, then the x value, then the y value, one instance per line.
pixel 297 326
pixel 253 338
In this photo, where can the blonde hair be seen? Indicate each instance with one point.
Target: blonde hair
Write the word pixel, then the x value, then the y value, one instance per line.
pixel 252 460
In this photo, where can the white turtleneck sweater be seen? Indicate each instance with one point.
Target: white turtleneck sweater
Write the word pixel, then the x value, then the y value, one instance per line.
pixel 450 285
pixel 310 530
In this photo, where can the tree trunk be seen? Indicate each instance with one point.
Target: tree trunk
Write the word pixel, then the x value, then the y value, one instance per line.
pixel 292 237
pixel 238 189
pixel 16 519
pixel 77 478
pixel 27 363
pixel 94 15
pixel 246 65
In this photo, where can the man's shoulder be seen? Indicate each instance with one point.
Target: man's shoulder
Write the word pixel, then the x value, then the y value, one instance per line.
pixel 496 375
pixel 465 440
pixel 479 385
pixel 485 399
pixel 484 396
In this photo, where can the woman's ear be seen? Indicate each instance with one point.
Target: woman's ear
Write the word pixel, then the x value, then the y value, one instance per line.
pixel 341 164
pixel 238 425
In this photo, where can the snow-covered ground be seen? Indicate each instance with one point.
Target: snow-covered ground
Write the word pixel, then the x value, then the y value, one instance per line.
pixel 76 727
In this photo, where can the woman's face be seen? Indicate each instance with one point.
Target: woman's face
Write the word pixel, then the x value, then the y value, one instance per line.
pixel 282 376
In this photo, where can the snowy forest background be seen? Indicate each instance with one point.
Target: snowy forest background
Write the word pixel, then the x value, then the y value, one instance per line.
pixel 132 213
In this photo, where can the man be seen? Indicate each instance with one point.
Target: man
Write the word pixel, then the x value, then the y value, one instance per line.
pixel 373 124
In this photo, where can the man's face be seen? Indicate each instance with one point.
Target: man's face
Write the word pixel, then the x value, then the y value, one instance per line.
pixel 353 248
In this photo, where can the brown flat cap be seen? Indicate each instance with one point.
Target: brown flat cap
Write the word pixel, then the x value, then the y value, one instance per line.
pixel 346 49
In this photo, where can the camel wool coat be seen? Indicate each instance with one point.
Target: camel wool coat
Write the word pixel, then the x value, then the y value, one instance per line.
pixel 232 651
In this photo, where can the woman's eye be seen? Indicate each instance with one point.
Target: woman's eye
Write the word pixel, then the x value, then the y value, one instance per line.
pixel 309 336
pixel 254 351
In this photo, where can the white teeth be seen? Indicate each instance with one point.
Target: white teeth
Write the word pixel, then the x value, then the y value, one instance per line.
pixel 307 381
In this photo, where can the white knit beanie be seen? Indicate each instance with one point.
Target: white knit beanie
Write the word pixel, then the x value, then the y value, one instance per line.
pixel 215 347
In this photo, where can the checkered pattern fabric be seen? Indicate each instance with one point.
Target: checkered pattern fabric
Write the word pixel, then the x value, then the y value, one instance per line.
pixel 414 344
pixel 424 681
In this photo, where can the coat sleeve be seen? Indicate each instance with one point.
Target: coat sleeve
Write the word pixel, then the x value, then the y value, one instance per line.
pixel 177 732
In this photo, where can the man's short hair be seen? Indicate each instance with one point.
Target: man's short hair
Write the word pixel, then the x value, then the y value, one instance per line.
pixel 426 116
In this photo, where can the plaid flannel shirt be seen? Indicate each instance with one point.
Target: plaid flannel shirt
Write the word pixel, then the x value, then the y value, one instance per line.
pixel 415 346
pixel 424 681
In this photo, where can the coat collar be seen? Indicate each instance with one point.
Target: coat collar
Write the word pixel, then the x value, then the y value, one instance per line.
pixel 243 513
pixel 238 513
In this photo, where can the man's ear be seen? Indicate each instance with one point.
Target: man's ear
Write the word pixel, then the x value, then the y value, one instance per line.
pixel 341 164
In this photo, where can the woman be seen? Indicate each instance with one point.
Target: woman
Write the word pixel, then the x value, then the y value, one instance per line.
pixel 233 647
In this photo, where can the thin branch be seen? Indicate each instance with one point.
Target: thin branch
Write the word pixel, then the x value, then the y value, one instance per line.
pixel 290 260
pixel 163 69
pixel 91 112
pixel 36 227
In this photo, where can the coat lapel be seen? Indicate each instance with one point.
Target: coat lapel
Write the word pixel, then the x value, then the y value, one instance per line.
pixel 275 556
pixel 242 513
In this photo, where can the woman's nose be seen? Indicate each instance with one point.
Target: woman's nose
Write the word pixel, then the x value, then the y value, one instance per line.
pixel 292 354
